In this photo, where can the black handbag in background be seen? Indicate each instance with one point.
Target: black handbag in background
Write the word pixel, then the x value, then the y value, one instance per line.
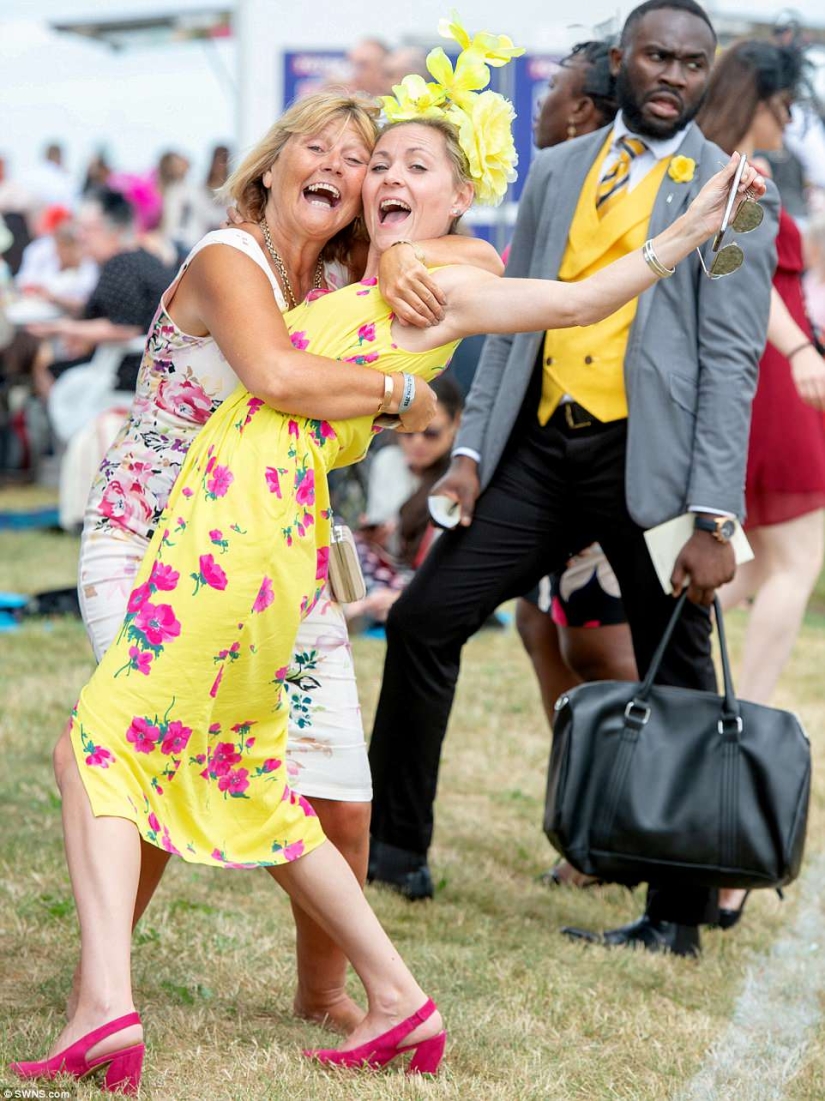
pixel 655 783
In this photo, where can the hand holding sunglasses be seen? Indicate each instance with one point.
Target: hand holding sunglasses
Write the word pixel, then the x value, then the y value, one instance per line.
pixel 747 217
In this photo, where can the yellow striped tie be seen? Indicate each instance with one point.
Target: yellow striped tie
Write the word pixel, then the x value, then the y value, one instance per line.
pixel 613 185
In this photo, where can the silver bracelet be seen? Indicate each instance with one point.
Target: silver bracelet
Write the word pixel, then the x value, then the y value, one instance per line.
pixel 654 263
pixel 408 396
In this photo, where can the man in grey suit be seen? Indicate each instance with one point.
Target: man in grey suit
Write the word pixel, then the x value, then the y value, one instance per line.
pixel 595 436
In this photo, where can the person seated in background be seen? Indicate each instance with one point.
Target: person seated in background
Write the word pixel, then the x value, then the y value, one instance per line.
pixel 24 430
pixel 123 303
pixel 396 531
pixel 54 267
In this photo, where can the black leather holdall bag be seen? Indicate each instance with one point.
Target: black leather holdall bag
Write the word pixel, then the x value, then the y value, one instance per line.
pixel 656 783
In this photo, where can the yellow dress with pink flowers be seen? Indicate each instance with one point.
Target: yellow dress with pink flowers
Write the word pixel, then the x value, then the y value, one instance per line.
pixel 182 728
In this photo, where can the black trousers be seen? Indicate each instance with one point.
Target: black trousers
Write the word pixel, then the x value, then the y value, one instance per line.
pixel 556 490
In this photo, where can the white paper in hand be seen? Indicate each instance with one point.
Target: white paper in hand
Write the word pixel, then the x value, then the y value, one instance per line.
pixel 665 541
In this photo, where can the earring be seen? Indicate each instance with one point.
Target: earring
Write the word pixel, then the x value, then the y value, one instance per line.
pixel 455 212
pixel 571 130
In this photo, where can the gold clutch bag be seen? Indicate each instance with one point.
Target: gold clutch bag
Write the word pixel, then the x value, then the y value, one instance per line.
pixel 346 581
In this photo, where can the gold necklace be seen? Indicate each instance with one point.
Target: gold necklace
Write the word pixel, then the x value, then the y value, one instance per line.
pixel 280 266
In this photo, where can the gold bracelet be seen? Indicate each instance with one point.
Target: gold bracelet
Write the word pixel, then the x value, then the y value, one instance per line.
pixel 417 252
pixel 389 390
pixel 654 263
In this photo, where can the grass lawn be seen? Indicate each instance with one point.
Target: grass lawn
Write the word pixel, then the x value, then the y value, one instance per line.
pixel 531 1017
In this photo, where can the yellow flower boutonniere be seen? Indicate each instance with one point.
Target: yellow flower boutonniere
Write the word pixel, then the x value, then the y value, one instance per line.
pixel 682 169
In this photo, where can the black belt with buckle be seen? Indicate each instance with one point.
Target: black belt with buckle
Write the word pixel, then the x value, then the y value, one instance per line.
pixel 572 417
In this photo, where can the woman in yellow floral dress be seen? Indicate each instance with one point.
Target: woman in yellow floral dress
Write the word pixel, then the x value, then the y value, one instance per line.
pixel 181 730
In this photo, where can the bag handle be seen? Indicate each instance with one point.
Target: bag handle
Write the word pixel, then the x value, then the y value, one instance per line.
pixel 730 713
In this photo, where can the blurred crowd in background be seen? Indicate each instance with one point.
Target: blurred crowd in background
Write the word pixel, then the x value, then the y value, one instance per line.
pixel 85 257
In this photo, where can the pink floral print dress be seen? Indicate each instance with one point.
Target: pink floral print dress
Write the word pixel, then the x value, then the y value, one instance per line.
pixel 182 728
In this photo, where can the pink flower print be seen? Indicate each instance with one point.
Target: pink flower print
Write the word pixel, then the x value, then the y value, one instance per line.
pixel 224 757
pixel 186 399
pixel 163 577
pixel 299 341
pixel 140 660
pixel 280 674
pixel 142 734
pixel 215 728
pixel 293 428
pixel 322 563
pixel 265 596
pixel 222 478
pixel 235 781
pixel 327 431
pixel 213 691
pixel 139 597
pixel 306 807
pixel 153 822
pixel 305 487
pixel 361 360
pixel 244 727
pixel 157 622
pixel 216 535
pixel 210 466
pixel 273 481
pixel 253 404
pixel 293 851
pixel 187 492
pixel 100 757
pixel 122 504
pixel 366 332
pixel 271 764
pixel 211 573
pixel 166 843
pixel 177 737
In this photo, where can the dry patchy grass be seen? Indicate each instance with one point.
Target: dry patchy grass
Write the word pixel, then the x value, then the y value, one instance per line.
pixel 531 1016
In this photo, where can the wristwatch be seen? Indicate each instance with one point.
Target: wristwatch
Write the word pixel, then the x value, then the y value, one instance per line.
pixel 720 527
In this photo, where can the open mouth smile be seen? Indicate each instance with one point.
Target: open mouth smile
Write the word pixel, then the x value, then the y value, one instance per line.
pixel 324 195
pixel 393 211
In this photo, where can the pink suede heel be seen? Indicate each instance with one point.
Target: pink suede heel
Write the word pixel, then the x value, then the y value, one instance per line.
pixel 123 1066
pixel 377 1053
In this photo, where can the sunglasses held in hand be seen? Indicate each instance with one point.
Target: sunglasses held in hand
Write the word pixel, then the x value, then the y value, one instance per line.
pixel 729 258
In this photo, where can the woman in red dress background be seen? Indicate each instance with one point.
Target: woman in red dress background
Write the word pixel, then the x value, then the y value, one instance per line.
pixel 751 91
pixel 748 107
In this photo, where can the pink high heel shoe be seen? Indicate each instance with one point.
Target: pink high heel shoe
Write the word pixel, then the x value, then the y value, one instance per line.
pixel 376 1053
pixel 123 1067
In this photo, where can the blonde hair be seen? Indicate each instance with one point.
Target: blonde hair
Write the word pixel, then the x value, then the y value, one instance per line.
pixel 307 116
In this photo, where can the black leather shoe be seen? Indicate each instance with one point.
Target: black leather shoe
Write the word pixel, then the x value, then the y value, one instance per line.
pixel 654 936
pixel 400 870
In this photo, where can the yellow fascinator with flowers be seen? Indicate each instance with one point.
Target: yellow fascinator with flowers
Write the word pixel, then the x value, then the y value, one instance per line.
pixel 483 118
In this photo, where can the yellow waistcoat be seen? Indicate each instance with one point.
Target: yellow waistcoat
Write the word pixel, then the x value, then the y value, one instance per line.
pixel 588 363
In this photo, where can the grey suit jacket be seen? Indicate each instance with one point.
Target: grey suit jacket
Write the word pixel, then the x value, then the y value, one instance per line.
pixel 692 353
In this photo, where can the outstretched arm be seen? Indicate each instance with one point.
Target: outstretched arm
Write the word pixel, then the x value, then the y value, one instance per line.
pixel 480 303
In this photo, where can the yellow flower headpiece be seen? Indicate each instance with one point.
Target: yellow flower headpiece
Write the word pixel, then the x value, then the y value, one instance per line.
pixel 483 118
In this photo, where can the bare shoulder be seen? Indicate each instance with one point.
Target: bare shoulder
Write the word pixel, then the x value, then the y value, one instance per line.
pixel 222 267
